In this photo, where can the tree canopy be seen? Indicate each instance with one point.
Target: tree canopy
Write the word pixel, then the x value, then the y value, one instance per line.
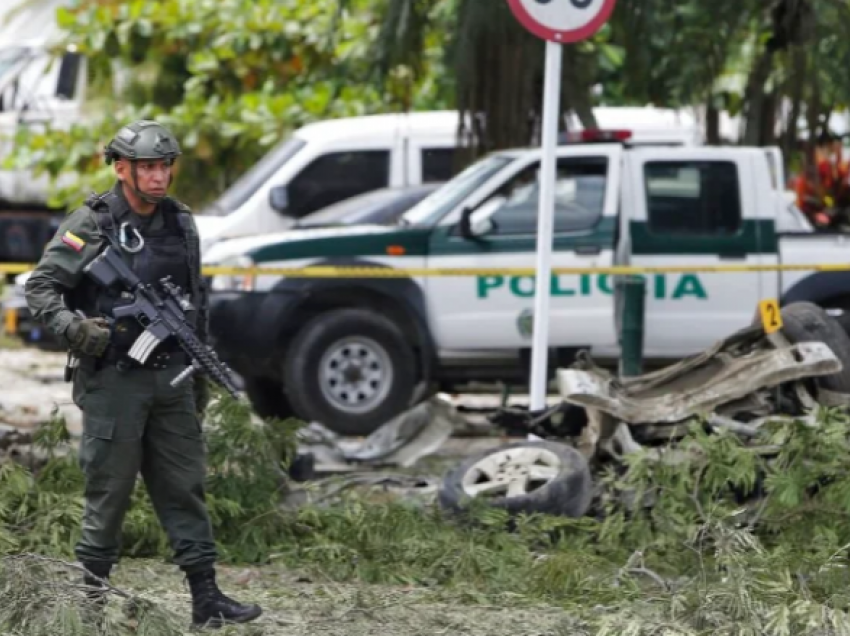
pixel 232 77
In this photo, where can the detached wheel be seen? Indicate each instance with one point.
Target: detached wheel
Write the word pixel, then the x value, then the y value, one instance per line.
pixel 839 310
pixel 351 370
pixel 806 322
pixel 541 476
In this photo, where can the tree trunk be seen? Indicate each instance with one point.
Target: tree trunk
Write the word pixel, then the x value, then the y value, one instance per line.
pixel 798 75
pixel 813 112
pixel 576 86
pixel 498 65
pixel 755 98
pixel 767 134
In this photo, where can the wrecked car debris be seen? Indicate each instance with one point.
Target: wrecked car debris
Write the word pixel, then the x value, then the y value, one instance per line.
pixel 405 439
pixel 738 384
pixel 413 434
pixel 713 381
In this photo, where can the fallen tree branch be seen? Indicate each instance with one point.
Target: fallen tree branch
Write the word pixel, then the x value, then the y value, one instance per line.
pixel 41 599
pixel 635 566
pixel 72 566
pixel 652 575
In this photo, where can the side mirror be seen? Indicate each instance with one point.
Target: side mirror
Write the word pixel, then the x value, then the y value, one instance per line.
pixel 474 224
pixel 279 198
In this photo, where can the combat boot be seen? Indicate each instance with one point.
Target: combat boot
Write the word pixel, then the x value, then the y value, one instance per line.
pixel 96 595
pixel 211 608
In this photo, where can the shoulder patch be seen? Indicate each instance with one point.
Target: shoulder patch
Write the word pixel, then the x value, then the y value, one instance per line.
pixel 73 241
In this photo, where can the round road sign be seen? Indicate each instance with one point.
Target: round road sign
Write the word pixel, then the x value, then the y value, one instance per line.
pixel 562 20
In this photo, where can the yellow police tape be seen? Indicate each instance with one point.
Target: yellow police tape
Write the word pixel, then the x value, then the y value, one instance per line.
pixel 390 272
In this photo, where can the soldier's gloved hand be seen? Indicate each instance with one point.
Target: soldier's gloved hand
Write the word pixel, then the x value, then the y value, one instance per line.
pixel 88 336
pixel 202 395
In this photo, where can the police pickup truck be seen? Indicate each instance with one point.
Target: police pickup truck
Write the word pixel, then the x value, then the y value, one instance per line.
pixel 353 352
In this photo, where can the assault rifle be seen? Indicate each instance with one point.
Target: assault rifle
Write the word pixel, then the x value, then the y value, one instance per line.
pixel 161 316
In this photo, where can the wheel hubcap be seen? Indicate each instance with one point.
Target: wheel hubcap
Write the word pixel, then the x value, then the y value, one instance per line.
pixel 355 374
pixel 511 473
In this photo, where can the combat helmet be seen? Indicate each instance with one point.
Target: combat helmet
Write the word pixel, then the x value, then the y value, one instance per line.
pixel 140 140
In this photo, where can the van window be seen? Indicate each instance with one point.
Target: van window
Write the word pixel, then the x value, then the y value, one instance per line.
pixel 253 179
pixel 437 164
pixel 579 197
pixel 336 176
pixel 692 197
pixel 69 72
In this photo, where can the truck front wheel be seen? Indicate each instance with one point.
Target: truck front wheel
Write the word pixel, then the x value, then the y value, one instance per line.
pixel 351 370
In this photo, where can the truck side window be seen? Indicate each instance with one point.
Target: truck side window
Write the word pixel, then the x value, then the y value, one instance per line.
pixel 692 197
pixel 437 164
pixel 580 186
pixel 335 176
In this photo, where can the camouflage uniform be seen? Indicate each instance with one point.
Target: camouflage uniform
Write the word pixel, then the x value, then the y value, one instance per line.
pixel 134 421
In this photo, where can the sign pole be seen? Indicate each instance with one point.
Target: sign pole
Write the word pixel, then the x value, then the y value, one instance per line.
pixel 545 225
pixel 558 22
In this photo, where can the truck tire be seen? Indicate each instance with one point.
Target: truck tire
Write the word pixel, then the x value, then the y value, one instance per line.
pixel 549 477
pixel 268 398
pixel 351 370
pixel 806 322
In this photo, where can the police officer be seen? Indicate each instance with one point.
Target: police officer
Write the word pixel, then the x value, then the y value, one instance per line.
pixel 133 419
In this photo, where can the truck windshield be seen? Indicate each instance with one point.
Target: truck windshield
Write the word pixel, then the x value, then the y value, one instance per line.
pixel 444 199
pixel 244 187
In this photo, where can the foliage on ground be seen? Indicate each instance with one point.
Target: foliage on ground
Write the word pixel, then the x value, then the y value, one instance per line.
pixel 735 541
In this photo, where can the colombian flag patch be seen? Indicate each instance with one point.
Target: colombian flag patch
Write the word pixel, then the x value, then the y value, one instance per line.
pixel 69 238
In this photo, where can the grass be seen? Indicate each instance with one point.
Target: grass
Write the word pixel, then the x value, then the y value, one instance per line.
pixel 295 604
pixel 488 582
pixel 732 545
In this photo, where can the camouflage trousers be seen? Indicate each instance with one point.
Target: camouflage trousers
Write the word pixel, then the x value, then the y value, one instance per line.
pixel 135 422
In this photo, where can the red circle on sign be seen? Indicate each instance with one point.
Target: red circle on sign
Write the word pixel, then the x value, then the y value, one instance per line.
pixel 542 31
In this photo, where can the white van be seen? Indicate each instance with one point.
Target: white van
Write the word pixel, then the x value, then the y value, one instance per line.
pixel 328 161
pixel 38 89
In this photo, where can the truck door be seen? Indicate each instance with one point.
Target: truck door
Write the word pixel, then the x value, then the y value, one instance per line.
pixel 494 311
pixel 696 208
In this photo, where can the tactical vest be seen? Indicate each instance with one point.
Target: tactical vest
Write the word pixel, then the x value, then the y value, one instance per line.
pixel 170 251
